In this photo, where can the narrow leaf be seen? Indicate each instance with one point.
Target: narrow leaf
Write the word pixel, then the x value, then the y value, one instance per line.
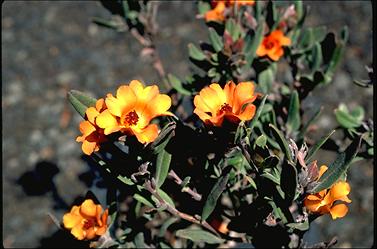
pixel 143 200
pixel 317 146
pixel 215 40
pixel 213 196
pixel 253 44
pixel 196 53
pixel 294 120
pixel 282 142
pixel 265 80
pixel 162 167
pixel 288 182
pixel 198 235
pixel 80 101
pixel 259 111
pixel 177 85
pixel 338 167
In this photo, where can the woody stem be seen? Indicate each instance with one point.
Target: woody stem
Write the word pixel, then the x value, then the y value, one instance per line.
pixel 175 212
pixel 195 195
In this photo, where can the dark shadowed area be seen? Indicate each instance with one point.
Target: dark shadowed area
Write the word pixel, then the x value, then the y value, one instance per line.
pixel 51 47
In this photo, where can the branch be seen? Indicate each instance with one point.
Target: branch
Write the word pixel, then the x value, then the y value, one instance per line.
pixel 175 212
pixel 195 195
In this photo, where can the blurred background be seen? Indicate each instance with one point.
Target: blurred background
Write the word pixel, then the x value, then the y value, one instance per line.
pixel 51 47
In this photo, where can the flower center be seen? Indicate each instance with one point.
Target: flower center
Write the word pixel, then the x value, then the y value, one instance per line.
pixel 269 45
pixel 130 119
pixel 225 108
pixel 89 223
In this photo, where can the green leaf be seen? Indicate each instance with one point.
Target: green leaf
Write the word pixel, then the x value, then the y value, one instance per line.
pixel 111 201
pixel 338 167
pixel 317 146
pixel 203 7
pixel 139 240
pixel 261 107
pixel 105 23
pixel 80 101
pixel 316 60
pixel 303 226
pixel 288 181
pixel 196 53
pixel 252 44
pixel 265 80
pixel 177 85
pixel 349 120
pixel 272 14
pixel 294 119
pixel 198 235
pixel 162 167
pixel 165 197
pixel 164 137
pixel 213 196
pixel 125 180
pixel 233 29
pixel 282 142
pixel 215 40
pixel 166 224
pixel 261 141
pixel 310 121
pixel 143 200
pixel 299 10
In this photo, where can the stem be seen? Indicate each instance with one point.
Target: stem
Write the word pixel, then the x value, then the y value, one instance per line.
pixel 175 212
pixel 195 195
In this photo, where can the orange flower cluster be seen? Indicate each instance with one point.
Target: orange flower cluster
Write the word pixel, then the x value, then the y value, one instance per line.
pixel 272 45
pixel 213 103
pixel 323 202
pixel 92 135
pixel 85 221
pixel 130 112
pixel 217 13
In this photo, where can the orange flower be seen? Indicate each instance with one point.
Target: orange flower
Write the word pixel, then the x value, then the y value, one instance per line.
pixel 242 2
pixel 213 103
pixel 323 201
pixel 85 221
pixel 132 110
pixel 272 45
pixel 216 14
pixel 92 135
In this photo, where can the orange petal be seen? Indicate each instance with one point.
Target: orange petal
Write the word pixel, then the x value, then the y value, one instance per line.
pixel 322 170
pixel 104 217
pixel 273 56
pixel 261 51
pixel 338 211
pixel 90 233
pixel 148 134
pixel 202 115
pixel 217 120
pixel 101 230
pixel 157 106
pixel 126 95
pixel 229 92
pixel 78 232
pixel 88 208
pixel 108 122
pixel 340 189
pixel 312 205
pixel 248 113
pixel 201 105
pixel 137 87
pixel 100 105
pixel 345 199
pixel 243 94
pixel 86 128
pixel 88 147
pixel 70 220
pixel 210 98
pixel 91 113
pixel 285 41
pixel 114 105
pixel 98 214
pixel 219 91
pixel 313 197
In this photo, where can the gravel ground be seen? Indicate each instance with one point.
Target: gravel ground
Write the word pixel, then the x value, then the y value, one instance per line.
pixel 50 47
